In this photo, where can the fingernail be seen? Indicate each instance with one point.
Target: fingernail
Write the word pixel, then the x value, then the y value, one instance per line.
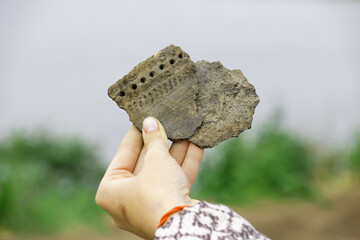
pixel 150 125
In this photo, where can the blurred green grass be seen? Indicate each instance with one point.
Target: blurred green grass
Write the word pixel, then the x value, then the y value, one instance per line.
pixel 48 182
pixel 354 154
pixel 275 165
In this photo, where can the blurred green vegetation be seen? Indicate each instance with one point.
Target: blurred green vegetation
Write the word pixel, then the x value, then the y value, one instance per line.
pixel 48 183
pixel 355 154
pixel 275 164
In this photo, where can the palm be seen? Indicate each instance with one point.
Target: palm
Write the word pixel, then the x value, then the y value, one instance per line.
pixel 131 155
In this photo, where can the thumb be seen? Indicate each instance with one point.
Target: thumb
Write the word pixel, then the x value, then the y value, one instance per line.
pixel 154 135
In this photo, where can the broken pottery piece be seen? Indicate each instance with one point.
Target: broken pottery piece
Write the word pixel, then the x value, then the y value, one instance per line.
pixel 205 102
pixel 226 100
pixel 163 86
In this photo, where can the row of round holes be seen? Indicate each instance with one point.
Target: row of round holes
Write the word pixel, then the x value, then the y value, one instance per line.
pixel 152 74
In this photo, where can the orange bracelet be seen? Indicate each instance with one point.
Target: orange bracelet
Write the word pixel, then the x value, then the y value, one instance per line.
pixel 168 213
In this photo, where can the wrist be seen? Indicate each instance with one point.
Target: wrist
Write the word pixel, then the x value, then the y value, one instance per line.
pixel 169 213
pixel 149 217
pixel 173 210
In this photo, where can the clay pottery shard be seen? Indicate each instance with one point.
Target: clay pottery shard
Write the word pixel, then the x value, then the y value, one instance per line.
pixel 163 86
pixel 227 101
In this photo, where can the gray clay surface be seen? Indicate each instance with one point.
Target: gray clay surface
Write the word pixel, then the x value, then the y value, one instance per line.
pixel 226 100
pixel 204 102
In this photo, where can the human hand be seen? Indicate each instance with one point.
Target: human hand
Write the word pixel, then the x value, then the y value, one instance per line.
pixel 145 179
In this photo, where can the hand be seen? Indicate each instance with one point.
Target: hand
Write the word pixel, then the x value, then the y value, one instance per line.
pixel 145 179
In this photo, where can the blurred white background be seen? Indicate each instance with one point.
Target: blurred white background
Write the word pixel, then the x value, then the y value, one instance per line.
pixel 57 59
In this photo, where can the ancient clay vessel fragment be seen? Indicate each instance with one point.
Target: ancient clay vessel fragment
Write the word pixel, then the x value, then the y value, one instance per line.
pixel 163 86
pixel 226 100
pixel 205 102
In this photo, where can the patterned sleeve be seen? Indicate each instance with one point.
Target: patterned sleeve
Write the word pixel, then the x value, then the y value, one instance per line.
pixel 207 221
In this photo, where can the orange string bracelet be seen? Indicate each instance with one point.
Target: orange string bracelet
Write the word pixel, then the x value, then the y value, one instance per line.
pixel 168 213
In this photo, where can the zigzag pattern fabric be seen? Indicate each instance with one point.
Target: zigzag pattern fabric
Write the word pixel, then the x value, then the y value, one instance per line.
pixel 207 221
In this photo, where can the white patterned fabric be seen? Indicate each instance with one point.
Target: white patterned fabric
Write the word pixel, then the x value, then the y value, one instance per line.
pixel 207 221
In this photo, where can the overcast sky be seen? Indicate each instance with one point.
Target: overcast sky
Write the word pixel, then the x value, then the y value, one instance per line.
pixel 57 59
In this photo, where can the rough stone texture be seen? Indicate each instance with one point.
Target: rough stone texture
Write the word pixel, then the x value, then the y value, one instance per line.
pixel 163 86
pixel 226 100
pixel 203 102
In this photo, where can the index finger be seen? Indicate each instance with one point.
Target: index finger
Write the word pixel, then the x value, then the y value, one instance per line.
pixel 126 156
pixel 192 162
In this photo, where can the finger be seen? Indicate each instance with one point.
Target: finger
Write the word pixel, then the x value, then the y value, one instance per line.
pixel 178 151
pixel 192 162
pixel 154 135
pixel 140 161
pixel 128 152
